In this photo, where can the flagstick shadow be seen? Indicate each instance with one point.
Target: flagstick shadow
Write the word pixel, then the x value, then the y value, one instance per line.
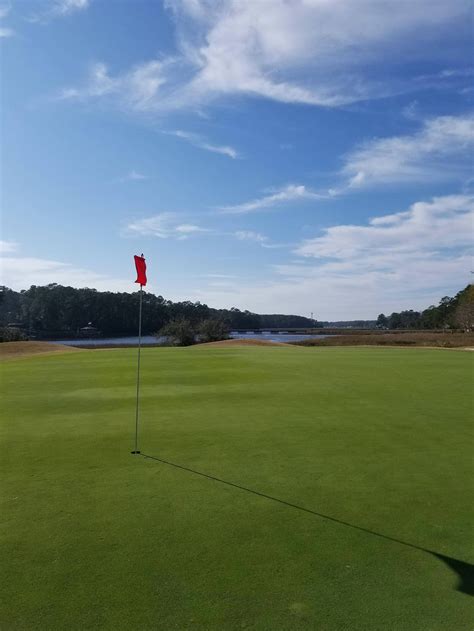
pixel 464 571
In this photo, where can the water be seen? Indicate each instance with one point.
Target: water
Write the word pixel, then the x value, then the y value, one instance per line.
pixel 276 337
pixel 148 340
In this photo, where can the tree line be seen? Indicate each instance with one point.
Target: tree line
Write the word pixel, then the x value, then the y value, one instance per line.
pixel 57 311
pixel 450 313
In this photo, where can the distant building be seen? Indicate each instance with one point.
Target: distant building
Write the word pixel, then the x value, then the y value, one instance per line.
pixel 89 331
pixel 16 325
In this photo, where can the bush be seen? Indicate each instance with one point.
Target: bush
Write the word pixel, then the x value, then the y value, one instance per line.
pixel 180 332
pixel 213 331
pixel 11 334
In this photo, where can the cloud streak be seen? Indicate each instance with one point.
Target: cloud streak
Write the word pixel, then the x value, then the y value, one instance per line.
pixel 249 235
pixel 135 90
pixel 135 176
pixel 198 141
pixel 163 226
pixel 440 150
pixel 290 193
pixel 309 52
pixel 58 9
pixel 260 239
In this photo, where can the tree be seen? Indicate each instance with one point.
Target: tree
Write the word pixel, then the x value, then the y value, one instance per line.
pixel 382 321
pixel 213 331
pixel 180 332
pixel 464 314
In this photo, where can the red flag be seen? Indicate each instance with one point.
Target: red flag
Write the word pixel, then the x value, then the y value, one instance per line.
pixel 141 269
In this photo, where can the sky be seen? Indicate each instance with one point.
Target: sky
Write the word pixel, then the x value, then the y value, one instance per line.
pixel 290 156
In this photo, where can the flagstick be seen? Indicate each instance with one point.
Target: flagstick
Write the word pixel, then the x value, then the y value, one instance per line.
pixel 136 451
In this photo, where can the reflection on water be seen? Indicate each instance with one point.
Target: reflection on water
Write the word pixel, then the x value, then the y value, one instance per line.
pixel 149 340
pixel 276 337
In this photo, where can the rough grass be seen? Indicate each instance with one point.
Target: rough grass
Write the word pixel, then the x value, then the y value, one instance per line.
pixel 419 338
pixel 95 538
pixel 11 350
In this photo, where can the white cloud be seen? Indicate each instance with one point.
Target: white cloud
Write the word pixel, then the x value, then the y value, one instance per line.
pixel 440 150
pixel 64 7
pixel 135 175
pixel 410 111
pixel 137 90
pixel 59 8
pixel 317 52
pixel 261 239
pixel 290 193
pixel 187 228
pixel 4 30
pixel 202 143
pixel 457 72
pixel 21 272
pixel 8 246
pixel 163 226
pixel 249 235
pixel 443 223
pixel 400 261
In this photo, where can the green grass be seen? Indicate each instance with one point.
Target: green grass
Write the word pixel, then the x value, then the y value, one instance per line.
pixel 95 538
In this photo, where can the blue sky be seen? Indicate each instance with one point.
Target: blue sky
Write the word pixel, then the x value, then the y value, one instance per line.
pixel 290 156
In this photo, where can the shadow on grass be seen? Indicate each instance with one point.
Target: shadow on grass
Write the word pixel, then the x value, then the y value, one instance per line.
pixel 464 571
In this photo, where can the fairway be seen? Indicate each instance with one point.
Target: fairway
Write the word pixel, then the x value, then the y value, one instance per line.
pixel 378 438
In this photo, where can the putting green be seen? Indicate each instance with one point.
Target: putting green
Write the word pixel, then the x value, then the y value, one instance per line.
pixel 95 538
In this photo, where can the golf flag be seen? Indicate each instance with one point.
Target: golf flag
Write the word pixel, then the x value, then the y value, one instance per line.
pixel 141 279
pixel 141 269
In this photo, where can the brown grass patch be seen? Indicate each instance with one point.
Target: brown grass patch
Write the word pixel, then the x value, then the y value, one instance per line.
pixel 419 338
pixel 246 342
pixel 12 350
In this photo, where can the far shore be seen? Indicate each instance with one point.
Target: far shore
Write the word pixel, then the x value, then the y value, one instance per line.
pixel 420 339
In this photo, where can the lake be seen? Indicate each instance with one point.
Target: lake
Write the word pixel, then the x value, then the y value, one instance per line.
pixel 151 340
